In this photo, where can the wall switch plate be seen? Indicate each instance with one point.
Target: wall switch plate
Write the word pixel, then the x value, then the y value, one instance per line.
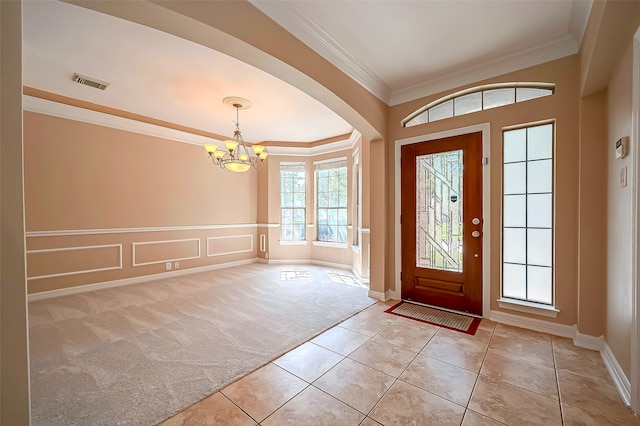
pixel 623 177
pixel 168 266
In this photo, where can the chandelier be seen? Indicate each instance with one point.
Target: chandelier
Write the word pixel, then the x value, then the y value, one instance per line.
pixel 237 157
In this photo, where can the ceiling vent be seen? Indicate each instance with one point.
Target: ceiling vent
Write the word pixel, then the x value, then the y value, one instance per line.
pixel 90 81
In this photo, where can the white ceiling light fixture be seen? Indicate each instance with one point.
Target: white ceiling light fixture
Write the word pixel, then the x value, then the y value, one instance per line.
pixel 237 157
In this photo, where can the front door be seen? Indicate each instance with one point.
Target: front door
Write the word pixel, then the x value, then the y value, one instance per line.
pixel 442 222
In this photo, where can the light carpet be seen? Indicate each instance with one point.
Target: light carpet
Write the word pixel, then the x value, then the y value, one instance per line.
pixel 135 355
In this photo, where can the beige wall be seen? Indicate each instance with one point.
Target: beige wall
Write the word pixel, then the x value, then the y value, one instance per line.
pixel 14 357
pixel 561 107
pixel 100 186
pixel 592 260
pixel 619 213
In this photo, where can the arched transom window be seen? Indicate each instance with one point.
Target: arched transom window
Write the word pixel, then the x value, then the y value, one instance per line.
pixel 478 99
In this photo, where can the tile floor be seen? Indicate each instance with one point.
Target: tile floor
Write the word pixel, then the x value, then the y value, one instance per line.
pixel 376 368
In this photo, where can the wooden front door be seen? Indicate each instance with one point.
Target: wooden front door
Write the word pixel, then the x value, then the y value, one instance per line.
pixel 442 222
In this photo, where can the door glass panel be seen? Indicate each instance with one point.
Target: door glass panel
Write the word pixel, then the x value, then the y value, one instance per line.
pixel 439 211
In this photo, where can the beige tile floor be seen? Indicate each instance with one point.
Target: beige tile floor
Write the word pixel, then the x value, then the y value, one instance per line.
pixel 376 368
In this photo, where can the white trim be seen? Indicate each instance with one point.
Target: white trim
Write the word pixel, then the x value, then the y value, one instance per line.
pixel 528 307
pixel 290 17
pixel 588 342
pixel 485 128
pixel 617 375
pixel 533 324
pixel 134 280
pixel 145 243
pixel 635 226
pixel 363 280
pixel 227 237
pixel 263 242
pixel 365 230
pixel 536 55
pixel 293 243
pixel 310 225
pixel 330 244
pixel 62 233
pixel 327 148
pixel 387 295
pixel 56 109
pixel 309 262
pixel 84 271
pixel 355 249
pixel 268 225
pixel 329 160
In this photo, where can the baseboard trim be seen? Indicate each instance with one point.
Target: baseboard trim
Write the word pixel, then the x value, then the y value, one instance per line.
pixel 588 342
pixel 617 375
pixel 534 324
pixel 133 280
pixel 308 262
pixel 387 295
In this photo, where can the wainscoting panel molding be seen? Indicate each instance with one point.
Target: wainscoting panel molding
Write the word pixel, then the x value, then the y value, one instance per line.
pixel 55 260
pixel 154 252
pixel 232 244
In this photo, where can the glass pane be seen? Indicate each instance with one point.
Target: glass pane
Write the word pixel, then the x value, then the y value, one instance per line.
pixel 539 279
pixel 514 178
pixel 286 232
pixel 539 176
pixel 299 232
pixel 439 219
pixel 286 200
pixel 322 215
pixel 342 217
pixel 444 110
pixel 515 211
pixel 527 93
pixel 515 145
pixel 286 217
pixel 514 283
pixel 540 142
pixel 323 232
pixel 514 245
pixel 323 199
pixel 539 211
pixel 298 216
pixel 418 119
pixel 498 97
pixel 298 199
pixel 332 217
pixel 342 234
pixel 468 103
pixel 539 247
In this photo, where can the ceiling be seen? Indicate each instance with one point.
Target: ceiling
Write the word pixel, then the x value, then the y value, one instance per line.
pixel 398 50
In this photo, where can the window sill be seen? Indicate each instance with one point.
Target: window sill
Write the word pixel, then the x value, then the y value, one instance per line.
pixel 528 307
pixel 329 244
pixel 293 243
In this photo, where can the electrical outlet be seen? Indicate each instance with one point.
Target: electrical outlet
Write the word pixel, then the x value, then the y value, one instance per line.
pixel 623 177
pixel 168 266
pixel 176 265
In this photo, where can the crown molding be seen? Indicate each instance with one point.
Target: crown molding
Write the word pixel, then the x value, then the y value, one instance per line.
pixel 580 11
pixel 557 49
pixel 316 150
pixel 301 26
pixel 70 112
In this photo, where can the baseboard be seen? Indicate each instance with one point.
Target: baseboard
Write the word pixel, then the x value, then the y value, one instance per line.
pixel 617 375
pixel 561 330
pixel 308 262
pixel 133 280
pixel 588 342
pixel 387 295
pixel 362 279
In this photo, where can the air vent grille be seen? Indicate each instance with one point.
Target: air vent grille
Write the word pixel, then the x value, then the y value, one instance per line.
pixel 90 81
